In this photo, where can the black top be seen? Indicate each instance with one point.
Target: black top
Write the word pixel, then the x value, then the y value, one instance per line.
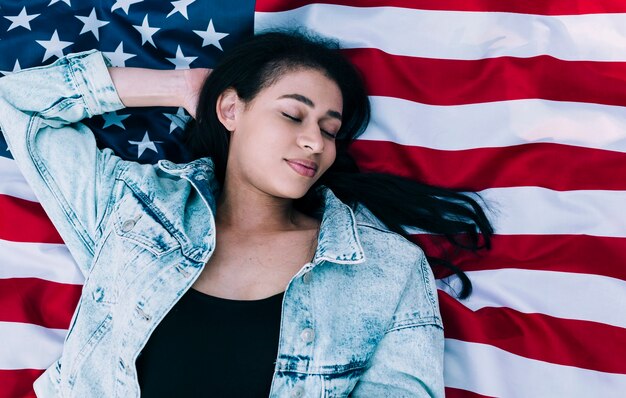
pixel 212 347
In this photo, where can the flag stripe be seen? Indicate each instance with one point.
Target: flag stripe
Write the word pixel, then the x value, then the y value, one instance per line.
pixel 533 210
pixel 38 347
pixel 461 35
pixel 552 7
pixel 491 371
pixel 12 182
pixel 18 383
pixel 497 124
pixel 537 336
pixel 564 253
pixel 25 221
pixel 38 302
pixel 454 82
pixel 519 165
pixel 457 393
pixel 51 262
pixel 564 295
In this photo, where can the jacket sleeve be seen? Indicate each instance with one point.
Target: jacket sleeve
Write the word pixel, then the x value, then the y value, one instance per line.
pixel 408 361
pixel 39 113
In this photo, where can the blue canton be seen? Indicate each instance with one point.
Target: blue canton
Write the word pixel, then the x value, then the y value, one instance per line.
pixel 135 33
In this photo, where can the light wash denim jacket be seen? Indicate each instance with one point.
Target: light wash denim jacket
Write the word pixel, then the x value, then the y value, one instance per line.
pixel 360 320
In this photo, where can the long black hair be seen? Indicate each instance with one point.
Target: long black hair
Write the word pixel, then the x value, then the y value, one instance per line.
pixel 396 201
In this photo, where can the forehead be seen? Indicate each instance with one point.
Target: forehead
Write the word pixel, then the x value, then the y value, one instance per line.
pixel 308 82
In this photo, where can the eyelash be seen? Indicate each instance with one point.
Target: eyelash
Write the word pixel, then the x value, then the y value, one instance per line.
pixel 295 119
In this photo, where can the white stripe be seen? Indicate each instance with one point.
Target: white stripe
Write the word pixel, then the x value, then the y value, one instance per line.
pixel 497 124
pixel 26 346
pixel 535 210
pixel 584 297
pixel 47 261
pixel 490 371
pixel 460 34
pixel 12 182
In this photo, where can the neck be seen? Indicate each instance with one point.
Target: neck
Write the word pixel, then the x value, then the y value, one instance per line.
pixel 246 209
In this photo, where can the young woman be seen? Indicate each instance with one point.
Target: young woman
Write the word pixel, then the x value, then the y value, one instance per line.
pixel 267 266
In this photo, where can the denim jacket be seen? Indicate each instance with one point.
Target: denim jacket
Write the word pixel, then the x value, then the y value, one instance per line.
pixel 360 320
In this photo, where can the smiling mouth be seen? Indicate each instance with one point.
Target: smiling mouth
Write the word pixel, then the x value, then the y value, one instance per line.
pixel 306 170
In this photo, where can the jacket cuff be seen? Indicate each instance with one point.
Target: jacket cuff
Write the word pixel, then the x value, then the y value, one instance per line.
pixel 89 73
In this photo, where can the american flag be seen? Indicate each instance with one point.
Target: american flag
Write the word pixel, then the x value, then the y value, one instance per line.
pixel 521 101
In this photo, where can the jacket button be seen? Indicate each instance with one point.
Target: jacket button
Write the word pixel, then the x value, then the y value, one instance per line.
pixel 307 335
pixel 297 393
pixel 128 225
pixel 306 278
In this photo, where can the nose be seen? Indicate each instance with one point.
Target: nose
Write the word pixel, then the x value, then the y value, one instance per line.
pixel 311 139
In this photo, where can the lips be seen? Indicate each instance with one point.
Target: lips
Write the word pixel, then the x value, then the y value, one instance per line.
pixel 303 167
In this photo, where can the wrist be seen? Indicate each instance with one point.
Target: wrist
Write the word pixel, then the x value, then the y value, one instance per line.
pixel 138 87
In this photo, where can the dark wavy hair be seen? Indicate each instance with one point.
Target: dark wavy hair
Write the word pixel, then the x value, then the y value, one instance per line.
pixel 398 202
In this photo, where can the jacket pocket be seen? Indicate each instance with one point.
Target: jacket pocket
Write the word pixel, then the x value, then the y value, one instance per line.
pixel 340 384
pixel 133 222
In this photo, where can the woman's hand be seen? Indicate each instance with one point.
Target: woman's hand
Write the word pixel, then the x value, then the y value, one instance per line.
pixel 194 80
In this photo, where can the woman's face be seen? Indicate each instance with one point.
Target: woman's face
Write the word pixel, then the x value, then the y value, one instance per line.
pixel 283 140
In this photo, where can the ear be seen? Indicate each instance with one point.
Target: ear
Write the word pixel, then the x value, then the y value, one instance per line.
pixel 226 108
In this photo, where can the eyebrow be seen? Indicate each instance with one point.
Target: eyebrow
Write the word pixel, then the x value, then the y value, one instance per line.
pixel 307 101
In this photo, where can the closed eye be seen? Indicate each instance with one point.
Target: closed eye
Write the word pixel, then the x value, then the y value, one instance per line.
pixel 295 119
pixel 331 135
pixel 288 116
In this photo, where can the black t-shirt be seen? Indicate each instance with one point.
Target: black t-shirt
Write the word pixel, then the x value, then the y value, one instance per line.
pixel 212 347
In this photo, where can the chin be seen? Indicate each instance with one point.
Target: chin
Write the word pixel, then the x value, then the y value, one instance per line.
pixel 291 192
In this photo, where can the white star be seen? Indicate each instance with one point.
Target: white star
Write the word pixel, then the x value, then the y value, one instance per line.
pixel 181 61
pixel 92 24
pixel 54 46
pixel 181 7
pixel 23 20
pixel 124 5
pixel 146 32
pixel 179 120
pixel 210 36
pixel 144 144
pixel 16 68
pixel 119 57
pixel 112 118
pixel 56 1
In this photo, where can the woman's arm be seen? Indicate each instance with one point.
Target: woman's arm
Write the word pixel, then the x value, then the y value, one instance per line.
pixel 72 178
pixel 408 361
pixel 151 87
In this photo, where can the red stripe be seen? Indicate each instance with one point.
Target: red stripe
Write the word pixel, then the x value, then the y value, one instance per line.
pixel 536 164
pixel 567 342
pixel 458 393
pixel 25 221
pixel 18 383
pixel 584 254
pixel 455 82
pixel 37 301
pixel 552 7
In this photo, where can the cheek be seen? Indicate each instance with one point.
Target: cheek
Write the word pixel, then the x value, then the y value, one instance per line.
pixel 329 156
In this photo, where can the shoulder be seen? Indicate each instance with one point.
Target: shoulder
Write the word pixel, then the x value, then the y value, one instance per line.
pixel 376 235
pixel 404 267
pixel 178 197
pixel 169 178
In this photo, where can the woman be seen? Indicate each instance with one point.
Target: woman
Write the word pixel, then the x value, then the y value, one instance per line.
pixel 269 265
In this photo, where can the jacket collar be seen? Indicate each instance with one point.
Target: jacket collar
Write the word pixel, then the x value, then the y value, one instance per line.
pixel 338 239
pixel 190 223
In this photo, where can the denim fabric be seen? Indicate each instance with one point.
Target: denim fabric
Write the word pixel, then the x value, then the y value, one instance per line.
pixel 360 320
